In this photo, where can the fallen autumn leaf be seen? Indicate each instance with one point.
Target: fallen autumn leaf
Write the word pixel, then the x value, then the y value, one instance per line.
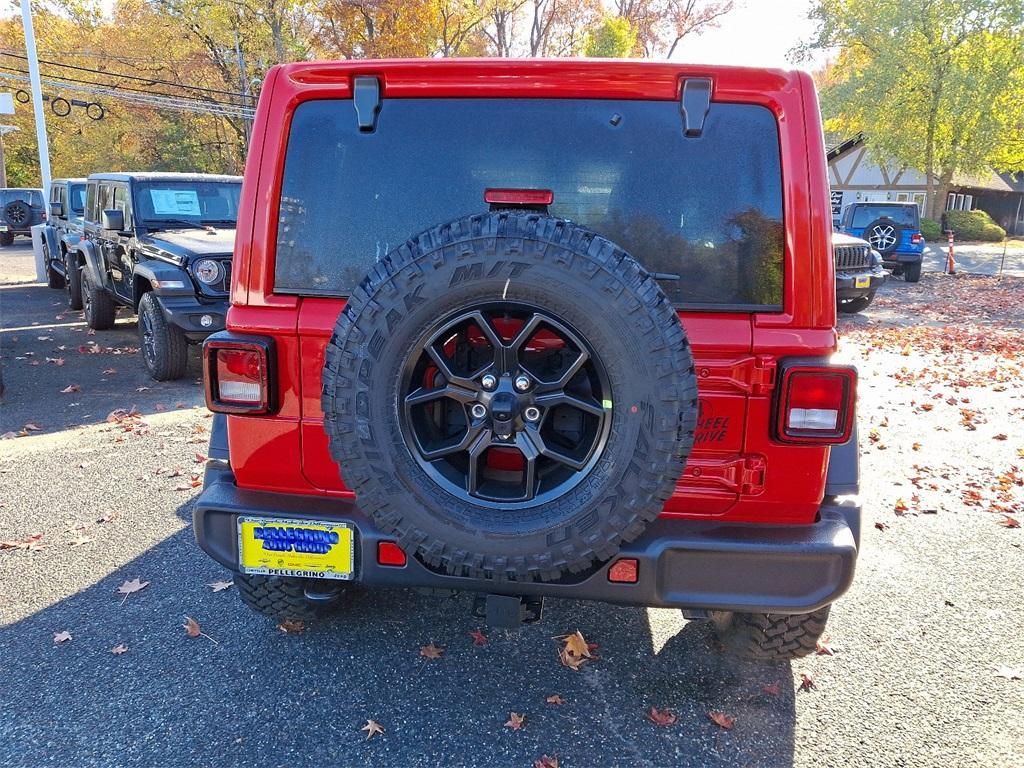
pixel 431 651
pixel 722 720
pixel 661 717
pixel 372 728
pixel 515 721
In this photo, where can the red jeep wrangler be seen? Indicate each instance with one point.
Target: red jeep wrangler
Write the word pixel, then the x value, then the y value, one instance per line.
pixel 533 329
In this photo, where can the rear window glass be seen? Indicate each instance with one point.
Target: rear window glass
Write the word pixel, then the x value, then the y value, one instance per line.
pixel 707 209
pixel 31 196
pixel 904 215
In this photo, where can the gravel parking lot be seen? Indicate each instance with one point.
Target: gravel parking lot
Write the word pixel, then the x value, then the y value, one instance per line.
pixel 926 651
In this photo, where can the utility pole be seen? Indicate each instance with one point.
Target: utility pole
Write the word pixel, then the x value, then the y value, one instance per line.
pixel 247 99
pixel 37 97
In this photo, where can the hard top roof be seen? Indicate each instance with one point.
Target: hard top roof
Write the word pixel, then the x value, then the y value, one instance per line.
pixel 162 176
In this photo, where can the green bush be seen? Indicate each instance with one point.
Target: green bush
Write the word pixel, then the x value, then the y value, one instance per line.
pixel 974 225
pixel 931 229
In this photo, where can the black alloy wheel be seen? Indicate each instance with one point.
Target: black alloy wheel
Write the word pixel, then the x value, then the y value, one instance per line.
pixel 505 405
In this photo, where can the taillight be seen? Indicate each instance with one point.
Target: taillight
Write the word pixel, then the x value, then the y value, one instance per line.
pixel 237 374
pixel 816 404
pixel 917 238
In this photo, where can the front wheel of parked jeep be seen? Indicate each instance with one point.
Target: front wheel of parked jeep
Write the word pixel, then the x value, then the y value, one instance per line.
pixel 282 599
pixel 164 346
pixel 54 279
pixel 770 635
pixel 97 304
pixel 73 282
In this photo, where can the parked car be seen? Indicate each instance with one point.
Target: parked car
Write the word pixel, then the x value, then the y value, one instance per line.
pixel 159 244
pixel 21 208
pixel 536 329
pixel 62 232
pixel 892 229
pixel 859 272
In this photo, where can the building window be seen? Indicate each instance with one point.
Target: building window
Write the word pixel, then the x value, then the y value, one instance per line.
pixel 951 201
pixel 902 197
pixel 919 199
pixel 968 203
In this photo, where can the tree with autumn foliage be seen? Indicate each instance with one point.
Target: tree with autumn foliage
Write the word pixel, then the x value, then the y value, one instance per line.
pixel 935 85
pixel 212 56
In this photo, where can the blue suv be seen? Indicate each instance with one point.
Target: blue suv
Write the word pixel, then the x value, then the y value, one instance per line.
pixel 892 229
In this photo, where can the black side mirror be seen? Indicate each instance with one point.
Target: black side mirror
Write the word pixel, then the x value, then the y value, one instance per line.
pixel 57 209
pixel 113 220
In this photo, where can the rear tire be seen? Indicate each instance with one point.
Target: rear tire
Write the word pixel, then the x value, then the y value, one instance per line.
pixel 852 306
pixel 912 272
pixel 6 238
pixel 277 598
pixel 770 635
pixel 164 346
pixel 98 306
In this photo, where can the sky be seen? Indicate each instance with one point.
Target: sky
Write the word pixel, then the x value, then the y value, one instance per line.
pixel 755 33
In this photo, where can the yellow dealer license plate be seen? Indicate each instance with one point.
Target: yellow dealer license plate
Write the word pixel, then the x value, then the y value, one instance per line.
pixel 275 547
pixel 861 281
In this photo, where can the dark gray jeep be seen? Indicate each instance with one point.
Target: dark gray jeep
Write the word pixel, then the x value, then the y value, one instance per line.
pixel 61 234
pixel 859 272
pixel 160 244
pixel 21 208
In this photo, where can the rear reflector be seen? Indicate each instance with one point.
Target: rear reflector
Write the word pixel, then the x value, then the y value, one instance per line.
pixel 917 238
pixel 237 375
pixel 389 553
pixel 816 404
pixel 519 196
pixel 624 571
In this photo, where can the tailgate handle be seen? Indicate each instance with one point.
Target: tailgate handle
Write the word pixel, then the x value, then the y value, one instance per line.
pixel 694 104
pixel 366 100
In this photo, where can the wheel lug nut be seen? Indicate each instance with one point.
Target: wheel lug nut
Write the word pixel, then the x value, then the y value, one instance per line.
pixel 522 382
pixel 478 411
pixel 489 381
pixel 532 413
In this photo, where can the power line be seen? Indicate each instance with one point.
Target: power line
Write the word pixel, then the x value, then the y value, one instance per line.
pixel 148 80
pixel 180 104
pixel 122 87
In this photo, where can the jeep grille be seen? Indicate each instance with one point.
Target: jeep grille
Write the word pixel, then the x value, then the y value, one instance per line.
pixel 852 256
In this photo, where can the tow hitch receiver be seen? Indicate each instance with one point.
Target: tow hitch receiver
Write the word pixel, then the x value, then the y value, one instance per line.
pixel 508 612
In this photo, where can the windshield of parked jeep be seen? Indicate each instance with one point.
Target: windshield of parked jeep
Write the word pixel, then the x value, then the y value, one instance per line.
pixel 178 203
pixel 31 196
pixel 903 215
pixel 76 198
pixel 705 212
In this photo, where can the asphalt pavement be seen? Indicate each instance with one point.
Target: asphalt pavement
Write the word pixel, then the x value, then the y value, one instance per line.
pixel 933 615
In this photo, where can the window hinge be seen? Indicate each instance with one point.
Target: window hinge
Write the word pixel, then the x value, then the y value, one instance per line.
pixel 694 104
pixel 366 100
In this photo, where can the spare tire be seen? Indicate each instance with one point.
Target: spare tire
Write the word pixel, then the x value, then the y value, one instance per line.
pixel 883 234
pixel 17 215
pixel 511 396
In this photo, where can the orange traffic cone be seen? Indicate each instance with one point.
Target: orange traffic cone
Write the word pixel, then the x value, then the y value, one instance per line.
pixel 950 263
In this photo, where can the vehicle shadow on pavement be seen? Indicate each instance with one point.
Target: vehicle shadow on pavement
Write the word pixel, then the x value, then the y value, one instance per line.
pixel 50 359
pixel 247 693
